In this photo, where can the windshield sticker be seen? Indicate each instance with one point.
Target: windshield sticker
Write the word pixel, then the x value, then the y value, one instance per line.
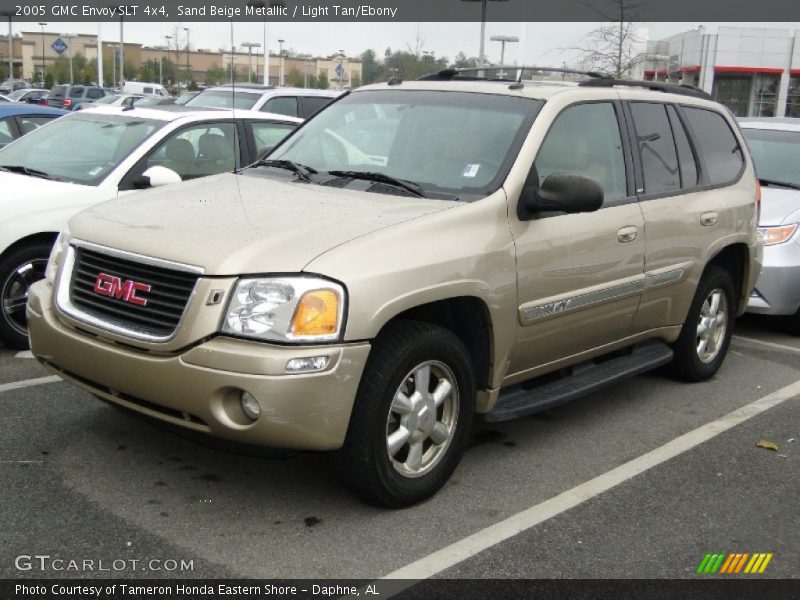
pixel 471 170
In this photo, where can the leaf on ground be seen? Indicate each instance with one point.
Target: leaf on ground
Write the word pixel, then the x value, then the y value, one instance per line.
pixel 767 445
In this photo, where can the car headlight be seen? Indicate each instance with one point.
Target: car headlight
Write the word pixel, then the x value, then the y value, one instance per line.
pixel 778 234
pixel 286 309
pixel 55 255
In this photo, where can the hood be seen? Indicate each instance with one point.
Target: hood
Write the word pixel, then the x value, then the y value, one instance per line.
pixel 15 187
pixel 239 224
pixel 779 205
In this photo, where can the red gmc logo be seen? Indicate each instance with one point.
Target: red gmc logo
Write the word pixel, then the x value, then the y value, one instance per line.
pixel 114 287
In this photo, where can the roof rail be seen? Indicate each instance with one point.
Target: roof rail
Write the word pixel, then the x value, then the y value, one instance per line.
pixel 659 86
pixel 448 74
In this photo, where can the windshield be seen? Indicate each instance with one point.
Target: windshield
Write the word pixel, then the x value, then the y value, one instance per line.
pixel 107 100
pixel 225 99
pixel 16 95
pixel 776 154
pixel 81 148
pixel 458 143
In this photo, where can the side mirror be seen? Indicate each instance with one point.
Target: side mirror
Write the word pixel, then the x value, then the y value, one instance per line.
pixel 156 177
pixel 563 192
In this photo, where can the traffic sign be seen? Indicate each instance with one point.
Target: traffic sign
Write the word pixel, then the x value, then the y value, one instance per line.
pixel 339 70
pixel 59 46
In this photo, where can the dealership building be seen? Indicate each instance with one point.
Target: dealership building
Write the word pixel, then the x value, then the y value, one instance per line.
pixel 754 72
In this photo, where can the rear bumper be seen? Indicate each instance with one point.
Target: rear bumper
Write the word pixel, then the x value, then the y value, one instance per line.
pixel 200 388
pixel 777 290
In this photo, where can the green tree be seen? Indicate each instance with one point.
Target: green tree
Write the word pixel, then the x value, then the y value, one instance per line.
pixel 462 62
pixel 355 82
pixel 371 68
pixel 322 81
pixel 48 80
pixel 216 75
pixel 294 78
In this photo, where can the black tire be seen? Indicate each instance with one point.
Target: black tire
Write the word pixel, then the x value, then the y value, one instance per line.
pixel 364 464
pixel 15 280
pixel 689 363
pixel 792 323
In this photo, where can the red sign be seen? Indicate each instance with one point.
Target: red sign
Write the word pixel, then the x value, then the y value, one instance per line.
pixel 114 287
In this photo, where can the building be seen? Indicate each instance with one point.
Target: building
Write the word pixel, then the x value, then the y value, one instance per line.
pixel 34 51
pixel 754 72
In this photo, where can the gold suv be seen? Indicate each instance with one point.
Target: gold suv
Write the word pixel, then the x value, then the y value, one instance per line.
pixel 416 256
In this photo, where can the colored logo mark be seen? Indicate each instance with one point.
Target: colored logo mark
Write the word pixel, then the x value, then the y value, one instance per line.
pixel 734 563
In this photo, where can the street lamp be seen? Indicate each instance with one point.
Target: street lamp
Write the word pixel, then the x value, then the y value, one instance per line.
pixel 167 38
pixel 503 39
pixel 42 26
pixel 340 71
pixel 70 37
pixel 250 46
pixel 280 71
pixel 481 57
pixel 188 50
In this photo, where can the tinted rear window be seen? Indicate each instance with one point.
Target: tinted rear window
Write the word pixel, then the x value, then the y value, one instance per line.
pixel 58 92
pixel 76 92
pixel 656 147
pixel 311 104
pixel 719 150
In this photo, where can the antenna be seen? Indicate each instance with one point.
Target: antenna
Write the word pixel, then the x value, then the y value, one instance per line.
pixel 233 100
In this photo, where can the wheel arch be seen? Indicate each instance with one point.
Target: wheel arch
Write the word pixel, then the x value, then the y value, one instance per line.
pixel 44 237
pixel 735 259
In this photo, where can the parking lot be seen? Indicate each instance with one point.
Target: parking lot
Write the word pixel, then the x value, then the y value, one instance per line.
pixel 82 480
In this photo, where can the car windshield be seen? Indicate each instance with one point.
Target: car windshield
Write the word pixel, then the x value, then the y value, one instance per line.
pixel 80 148
pixel 107 99
pixel 776 154
pixel 457 143
pixel 16 95
pixel 225 99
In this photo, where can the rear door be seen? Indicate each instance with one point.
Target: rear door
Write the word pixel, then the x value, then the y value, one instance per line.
pixel 579 275
pixel 684 153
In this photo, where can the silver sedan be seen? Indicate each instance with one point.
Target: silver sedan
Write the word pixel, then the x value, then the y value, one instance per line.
pixel 775 147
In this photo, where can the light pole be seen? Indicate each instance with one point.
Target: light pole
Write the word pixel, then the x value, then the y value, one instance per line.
pixel 188 50
pixel 250 46
pixel 503 39
pixel 481 53
pixel 70 37
pixel 280 70
pixel 121 51
pixel 167 38
pixel 341 70
pixel 306 64
pixel 42 26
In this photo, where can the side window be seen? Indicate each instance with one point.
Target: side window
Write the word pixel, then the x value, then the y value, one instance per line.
pixel 312 104
pixel 283 105
pixel 198 151
pixel 656 147
pixel 719 150
pixel 686 158
pixel 76 92
pixel 267 134
pixel 148 90
pixel 585 140
pixel 28 124
pixel 6 135
pixel 94 93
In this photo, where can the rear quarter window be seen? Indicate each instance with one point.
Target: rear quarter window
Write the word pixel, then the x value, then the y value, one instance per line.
pixel 720 153
pixel 58 92
pixel 76 92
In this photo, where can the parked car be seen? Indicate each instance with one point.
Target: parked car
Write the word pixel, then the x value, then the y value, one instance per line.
pixel 29 95
pixel 5 98
pixel 118 100
pixel 157 101
pixel 294 102
pixel 95 155
pixel 775 146
pixel 185 97
pixel 496 247
pixel 70 96
pixel 144 89
pixel 18 119
pixel 11 85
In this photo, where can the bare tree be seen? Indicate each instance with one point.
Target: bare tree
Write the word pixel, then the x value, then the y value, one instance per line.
pixel 614 47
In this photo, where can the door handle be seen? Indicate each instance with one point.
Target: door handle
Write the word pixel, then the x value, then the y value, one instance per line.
pixel 627 234
pixel 709 218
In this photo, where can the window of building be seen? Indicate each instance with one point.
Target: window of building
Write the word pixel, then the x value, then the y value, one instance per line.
pixel 793 99
pixel 733 90
pixel 765 95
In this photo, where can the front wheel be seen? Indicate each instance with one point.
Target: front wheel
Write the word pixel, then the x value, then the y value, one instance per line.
pixel 412 416
pixel 18 271
pixel 706 333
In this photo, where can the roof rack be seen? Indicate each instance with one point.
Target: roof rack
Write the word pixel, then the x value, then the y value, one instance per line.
pixel 658 86
pixel 251 86
pixel 449 74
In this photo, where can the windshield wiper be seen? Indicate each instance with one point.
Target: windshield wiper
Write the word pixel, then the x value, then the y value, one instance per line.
pixel 409 186
pixel 793 186
pixel 29 171
pixel 302 171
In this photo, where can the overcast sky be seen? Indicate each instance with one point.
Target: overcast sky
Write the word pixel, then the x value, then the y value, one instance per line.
pixel 540 42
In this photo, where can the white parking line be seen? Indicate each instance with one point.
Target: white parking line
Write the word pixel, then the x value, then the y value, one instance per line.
pixel 768 344
pixel 486 538
pixel 24 354
pixel 15 385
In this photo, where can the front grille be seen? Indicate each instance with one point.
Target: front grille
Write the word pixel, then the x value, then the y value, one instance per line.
pixel 166 299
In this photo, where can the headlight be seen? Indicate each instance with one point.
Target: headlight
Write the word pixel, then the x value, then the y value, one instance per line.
pixel 286 309
pixel 55 255
pixel 777 235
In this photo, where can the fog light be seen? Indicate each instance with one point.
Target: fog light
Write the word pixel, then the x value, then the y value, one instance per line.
pixel 311 363
pixel 251 406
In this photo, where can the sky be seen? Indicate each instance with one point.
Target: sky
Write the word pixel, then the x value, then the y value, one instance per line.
pixel 542 43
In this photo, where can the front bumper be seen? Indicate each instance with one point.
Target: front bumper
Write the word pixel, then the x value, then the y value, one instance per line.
pixel 199 388
pixel 777 290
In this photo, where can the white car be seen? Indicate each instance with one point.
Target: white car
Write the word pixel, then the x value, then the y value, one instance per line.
pixel 117 100
pixel 293 102
pixel 92 156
